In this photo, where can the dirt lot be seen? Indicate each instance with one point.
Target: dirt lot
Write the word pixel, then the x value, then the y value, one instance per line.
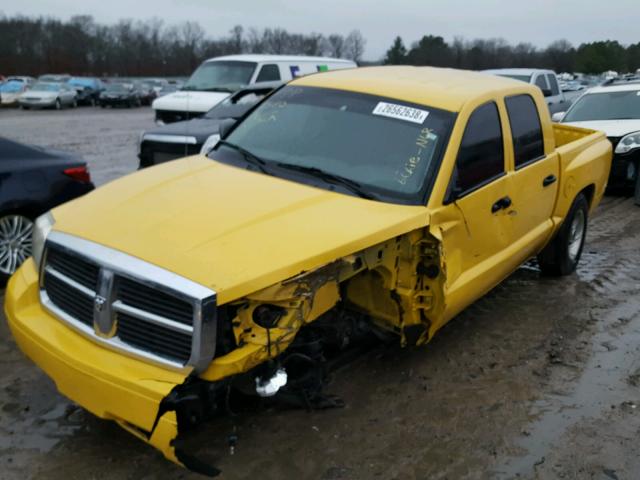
pixel 540 379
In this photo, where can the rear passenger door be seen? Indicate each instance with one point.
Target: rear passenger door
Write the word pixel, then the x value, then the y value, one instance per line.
pixel 534 180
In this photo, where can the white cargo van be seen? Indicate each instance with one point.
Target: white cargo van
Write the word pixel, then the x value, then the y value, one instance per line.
pixel 217 78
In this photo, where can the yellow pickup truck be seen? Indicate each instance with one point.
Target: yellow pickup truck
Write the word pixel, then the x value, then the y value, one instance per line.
pixel 369 202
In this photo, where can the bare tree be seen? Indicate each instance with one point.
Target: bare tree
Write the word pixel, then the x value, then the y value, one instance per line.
pixel 354 45
pixel 335 45
pixel 237 39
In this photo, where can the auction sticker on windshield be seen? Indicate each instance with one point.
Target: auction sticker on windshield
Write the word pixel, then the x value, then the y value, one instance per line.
pixel 400 112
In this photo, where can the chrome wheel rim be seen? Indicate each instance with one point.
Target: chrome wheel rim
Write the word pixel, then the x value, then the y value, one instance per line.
pixel 576 234
pixel 15 242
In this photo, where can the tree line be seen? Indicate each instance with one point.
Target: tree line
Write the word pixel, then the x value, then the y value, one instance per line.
pixel 81 46
pixel 561 56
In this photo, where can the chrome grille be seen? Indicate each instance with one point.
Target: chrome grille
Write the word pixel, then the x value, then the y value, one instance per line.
pixel 127 304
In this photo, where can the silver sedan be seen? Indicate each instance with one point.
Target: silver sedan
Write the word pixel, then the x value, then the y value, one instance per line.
pixel 48 95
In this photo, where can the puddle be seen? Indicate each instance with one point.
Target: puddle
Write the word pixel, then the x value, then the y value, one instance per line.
pixel 40 433
pixel 602 386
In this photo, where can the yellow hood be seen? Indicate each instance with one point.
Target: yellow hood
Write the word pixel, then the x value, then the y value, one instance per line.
pixel 231 229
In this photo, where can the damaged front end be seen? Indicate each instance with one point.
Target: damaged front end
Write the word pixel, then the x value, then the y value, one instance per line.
pixel 277 345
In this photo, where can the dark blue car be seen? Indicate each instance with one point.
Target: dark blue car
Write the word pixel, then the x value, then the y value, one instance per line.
pixel 32 181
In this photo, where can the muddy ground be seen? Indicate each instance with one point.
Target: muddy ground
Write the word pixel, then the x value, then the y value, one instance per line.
pixel 538 380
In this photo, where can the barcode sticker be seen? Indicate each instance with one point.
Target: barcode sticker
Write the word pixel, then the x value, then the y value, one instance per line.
pixel 401 112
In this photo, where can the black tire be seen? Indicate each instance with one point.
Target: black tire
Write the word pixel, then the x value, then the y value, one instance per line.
pixel 561 256
pixel 58 104
pixel 74 104
pixel 102 105
pixel 92 102
pixel 636 193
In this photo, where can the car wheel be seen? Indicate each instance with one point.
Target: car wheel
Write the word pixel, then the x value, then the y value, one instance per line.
pixel 75 104
pixel 636 194
pixel 92 102
pixel 15 243
pixel 562 254
pixel 58 105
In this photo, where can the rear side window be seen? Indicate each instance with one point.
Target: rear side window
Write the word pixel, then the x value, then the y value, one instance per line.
pixel 553 84
pixel 481 155
pixel 269 73
pixel 541 82
pixel 528 144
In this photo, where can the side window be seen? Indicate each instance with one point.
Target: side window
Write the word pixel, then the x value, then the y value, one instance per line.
pixel 553 84
pixel 268 73
pixel 526 131
pixel 481 155
pixel 541 82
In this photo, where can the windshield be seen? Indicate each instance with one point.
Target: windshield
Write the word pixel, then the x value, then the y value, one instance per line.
pixel 522 78
pixel 45 87
pixel 117 87
pixel 226 76
pixel 236 105
pixel 605 106
pixel 82 82
pixel 11 87
pixel 392 149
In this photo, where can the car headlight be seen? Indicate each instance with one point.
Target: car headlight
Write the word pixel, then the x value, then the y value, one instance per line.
pixel 211 142
pixel 41 229
pixel 628 143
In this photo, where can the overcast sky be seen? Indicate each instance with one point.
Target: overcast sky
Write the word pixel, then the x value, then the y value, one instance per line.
pixel 538 22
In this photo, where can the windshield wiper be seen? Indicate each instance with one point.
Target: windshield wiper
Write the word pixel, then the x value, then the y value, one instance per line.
pixel 247 155
pixel 189 88
pixel 316 172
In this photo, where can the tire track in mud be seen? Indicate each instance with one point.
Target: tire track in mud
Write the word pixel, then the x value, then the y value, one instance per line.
pixel 609 282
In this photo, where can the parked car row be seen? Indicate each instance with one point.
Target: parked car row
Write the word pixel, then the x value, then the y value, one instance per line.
pixel 54 91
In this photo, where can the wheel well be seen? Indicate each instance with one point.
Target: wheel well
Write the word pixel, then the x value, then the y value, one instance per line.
pixel 28 211
pixel 589 192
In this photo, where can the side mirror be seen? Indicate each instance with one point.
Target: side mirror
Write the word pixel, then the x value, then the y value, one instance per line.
pixel 225 127
pixel 557 117
pixel 547 93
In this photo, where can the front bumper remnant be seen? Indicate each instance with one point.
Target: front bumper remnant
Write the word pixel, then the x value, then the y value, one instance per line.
pixel 134 394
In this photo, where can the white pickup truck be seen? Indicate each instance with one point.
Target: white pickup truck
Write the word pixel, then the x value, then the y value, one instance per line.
pixel 217 78
pixel 545 79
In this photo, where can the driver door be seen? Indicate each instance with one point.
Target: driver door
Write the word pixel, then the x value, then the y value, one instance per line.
pixel 474 223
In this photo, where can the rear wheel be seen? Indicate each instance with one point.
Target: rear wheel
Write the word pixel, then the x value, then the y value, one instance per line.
pixel 58 104
pixel 563 253
pixel 15 243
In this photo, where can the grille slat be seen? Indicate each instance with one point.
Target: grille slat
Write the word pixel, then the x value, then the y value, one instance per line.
pixel 78 305
pixel 140 296
pixel 80 270
pixel 154 338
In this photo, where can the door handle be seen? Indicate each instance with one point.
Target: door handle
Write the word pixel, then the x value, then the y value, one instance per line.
pixel 548 180
pixel 502 204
